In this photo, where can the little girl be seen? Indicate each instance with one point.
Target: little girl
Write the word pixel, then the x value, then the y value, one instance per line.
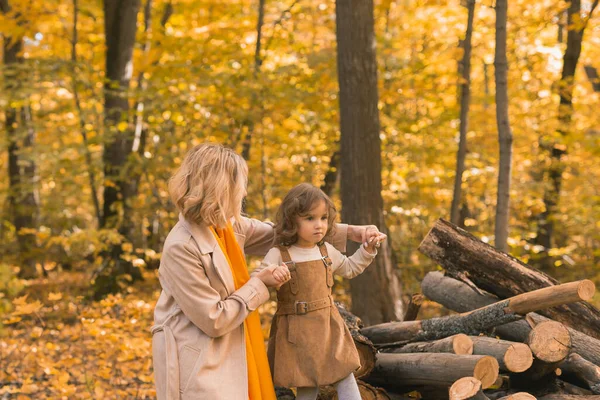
pixel 309 344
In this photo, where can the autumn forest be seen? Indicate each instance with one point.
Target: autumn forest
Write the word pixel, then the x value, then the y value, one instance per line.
pixel 484 113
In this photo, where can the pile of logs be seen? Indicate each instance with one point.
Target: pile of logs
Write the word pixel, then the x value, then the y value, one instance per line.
pixel 516 334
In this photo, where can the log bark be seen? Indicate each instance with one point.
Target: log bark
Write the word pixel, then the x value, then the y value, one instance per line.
pixel 499 273
pixel 467 388
pixel 412 310
pixel 578 370
pixel 432 369
pixel 459 344
pixel 511 356
pixel 464 68
pixel 366 350
pixel 482 319
pixel 458 296
pixel 505 136
pixel 559 396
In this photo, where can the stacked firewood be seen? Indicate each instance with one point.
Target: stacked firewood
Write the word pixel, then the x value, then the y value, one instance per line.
pixel 517 333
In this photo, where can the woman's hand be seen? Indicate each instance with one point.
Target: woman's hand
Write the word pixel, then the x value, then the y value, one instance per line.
pixel 362 233
pixel 373 238
pixel 274 275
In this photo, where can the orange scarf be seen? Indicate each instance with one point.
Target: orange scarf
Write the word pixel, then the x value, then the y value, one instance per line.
pixel 260 384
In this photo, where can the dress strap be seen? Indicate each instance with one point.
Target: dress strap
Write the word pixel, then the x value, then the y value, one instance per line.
pixel 286 258
pixel 324 255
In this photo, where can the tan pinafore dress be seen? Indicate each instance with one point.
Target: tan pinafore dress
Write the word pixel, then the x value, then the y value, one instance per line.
pixel 309 344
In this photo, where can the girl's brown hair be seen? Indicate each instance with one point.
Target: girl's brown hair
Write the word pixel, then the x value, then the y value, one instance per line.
pixel 209 186
pixel 297 203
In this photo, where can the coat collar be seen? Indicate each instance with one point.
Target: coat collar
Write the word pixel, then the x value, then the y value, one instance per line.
pixel 202 234
pixel 207 243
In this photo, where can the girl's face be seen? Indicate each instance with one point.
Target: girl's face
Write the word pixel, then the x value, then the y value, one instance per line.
pixel 312 227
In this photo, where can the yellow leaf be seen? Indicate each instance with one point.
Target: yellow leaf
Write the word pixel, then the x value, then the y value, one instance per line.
pixel 122 126
pixel 54 296
pixel 11 320
pixel 29 308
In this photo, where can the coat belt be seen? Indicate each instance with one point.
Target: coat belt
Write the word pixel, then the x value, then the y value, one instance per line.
pixel 303 307
pixel 172 366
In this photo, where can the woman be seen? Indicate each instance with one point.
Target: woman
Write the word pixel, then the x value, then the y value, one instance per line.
pixel 207 342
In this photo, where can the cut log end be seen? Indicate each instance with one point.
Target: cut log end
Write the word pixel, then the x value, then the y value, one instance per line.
pixel 465 388
pixel 519 396
pixel 462 344
pixel 518 357
pixel 366 353
pixel 550 341
pixel 586 289
pixel 486 370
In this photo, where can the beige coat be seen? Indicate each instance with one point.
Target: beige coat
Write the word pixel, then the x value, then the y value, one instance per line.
pixel 198 340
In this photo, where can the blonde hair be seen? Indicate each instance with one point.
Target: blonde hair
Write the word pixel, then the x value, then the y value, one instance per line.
pixel 297 203
pixel 210 185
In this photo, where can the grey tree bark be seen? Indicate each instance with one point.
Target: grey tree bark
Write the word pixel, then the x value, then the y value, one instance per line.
pixel 20 135
pixel 465 98
pixel 120 26
pixel 504 131
pixel 375 293
pixel 556 148
pixel 81 117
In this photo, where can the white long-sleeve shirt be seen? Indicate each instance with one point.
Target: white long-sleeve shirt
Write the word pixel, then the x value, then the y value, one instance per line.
pixel 348 267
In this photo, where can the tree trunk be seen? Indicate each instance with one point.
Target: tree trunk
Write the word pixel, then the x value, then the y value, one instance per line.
pixel 432 369
pixel 579 370
pixel 412 311
pixel 518 396
pixel 504 131
pixel 555 165
pixel 458 296
pixel 22 195
pixel 560 396
pixel 465 98
pixel 120 25
pixel 332 174
pixel 592 74
pixel 376 294
pixel 511 356
pixel 549 341
pixel 75 88
pixel 459 344
pixel 366 351
pixel 480 320
pixel 499 273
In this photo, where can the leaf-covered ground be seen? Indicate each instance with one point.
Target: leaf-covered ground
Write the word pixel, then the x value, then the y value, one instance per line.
pixel 56 344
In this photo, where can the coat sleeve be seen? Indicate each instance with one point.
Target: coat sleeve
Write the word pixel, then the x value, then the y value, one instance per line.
pixel 260 236
pixel 339 238
pixel 182 274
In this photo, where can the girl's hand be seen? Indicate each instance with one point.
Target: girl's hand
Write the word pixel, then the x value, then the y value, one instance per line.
pixel 281 273
pixel 271 278
pixel 373 238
